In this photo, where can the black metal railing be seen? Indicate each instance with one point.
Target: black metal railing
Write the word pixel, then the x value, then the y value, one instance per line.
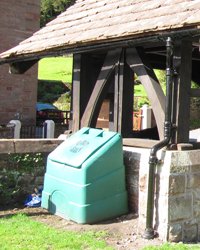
pixel 31 131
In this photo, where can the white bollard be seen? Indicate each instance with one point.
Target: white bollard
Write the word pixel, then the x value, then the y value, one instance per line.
pixel 48 129
pixel 17 128
pixel 146 117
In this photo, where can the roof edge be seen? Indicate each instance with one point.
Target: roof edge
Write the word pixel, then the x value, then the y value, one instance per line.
pixel 112 44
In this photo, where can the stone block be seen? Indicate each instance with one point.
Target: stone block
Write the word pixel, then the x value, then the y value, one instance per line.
pixel 180 162
pixel 194 157
pixel 160 210
pixel 175 232
pixel 190 233
pixel 142 204
pixel 195 168
pixel 193 180
pixel 180 208
pixel 177 184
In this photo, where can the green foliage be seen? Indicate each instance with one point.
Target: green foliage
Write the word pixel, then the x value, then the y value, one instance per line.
pixel 161 75
pixel 9 186
pixel 50 91
pixel 63 102
pixel 21 232
pixel 173 246
pixel 140 93
pixel 26 162
pixel 19 165
pixel 194 124
pixel 51 8
pixel 55 76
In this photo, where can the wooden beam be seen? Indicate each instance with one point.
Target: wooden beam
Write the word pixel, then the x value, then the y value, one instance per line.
pixel 116 98
pixel 100 89
pixel 140 65
pixel 76 86
pixel 120 82
pixel 125 80
pixel 183 102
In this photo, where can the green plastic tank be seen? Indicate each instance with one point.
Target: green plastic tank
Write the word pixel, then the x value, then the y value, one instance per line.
pixel 85 179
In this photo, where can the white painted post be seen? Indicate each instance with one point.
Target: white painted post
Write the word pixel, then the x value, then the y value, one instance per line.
pixel 48 129
pixel 146 117
pixel 17 128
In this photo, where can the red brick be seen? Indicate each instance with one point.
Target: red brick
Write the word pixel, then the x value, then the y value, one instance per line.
pixel 19 19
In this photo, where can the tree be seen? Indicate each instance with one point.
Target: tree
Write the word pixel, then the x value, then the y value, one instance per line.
pixel 51 8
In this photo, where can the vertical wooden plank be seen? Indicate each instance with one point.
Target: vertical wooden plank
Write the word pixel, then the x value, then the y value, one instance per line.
pixel 126 103
pixel 116 98
pixel 121 92
pixel 125 97
pixel 183 103
pixel 76 92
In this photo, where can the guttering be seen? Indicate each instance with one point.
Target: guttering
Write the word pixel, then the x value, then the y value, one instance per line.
pixel 153 160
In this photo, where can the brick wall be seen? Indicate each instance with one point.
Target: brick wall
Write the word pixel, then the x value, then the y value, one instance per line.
pixel 18 93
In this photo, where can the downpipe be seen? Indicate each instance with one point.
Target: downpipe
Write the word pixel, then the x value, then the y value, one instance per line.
pixel 153 160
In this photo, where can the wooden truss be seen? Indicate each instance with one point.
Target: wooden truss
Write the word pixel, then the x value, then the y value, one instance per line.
pixel 112 72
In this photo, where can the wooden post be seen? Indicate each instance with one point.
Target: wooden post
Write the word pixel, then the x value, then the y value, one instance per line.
pixel 76 82
pixel 125 98
pixel 184 85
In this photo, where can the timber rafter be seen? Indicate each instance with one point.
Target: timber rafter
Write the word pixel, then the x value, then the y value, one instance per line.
pixel 120 64
pixel 139 64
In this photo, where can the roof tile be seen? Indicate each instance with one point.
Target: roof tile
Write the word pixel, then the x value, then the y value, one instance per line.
pixel 90 21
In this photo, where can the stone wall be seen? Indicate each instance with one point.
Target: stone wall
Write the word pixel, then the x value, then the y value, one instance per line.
pixel 177 195
pixel 18 93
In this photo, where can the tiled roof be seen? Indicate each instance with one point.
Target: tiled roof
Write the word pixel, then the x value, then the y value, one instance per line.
pixel 89 22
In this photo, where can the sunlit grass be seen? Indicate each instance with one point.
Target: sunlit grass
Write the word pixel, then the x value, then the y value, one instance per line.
pixel 56 68
pixel 21 232
pixel 174 246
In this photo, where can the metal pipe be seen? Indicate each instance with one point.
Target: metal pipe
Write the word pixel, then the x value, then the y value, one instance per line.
pixel 149 231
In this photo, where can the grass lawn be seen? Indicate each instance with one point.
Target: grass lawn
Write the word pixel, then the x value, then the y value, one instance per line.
pixel 55 68
pixel 20 232
pixel 178 246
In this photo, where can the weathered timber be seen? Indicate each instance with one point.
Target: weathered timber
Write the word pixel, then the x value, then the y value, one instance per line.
pixel 28 145
pixel 76 92
pixel 100 90
pixel 183 102
pixel 125 95
pixel 138 62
